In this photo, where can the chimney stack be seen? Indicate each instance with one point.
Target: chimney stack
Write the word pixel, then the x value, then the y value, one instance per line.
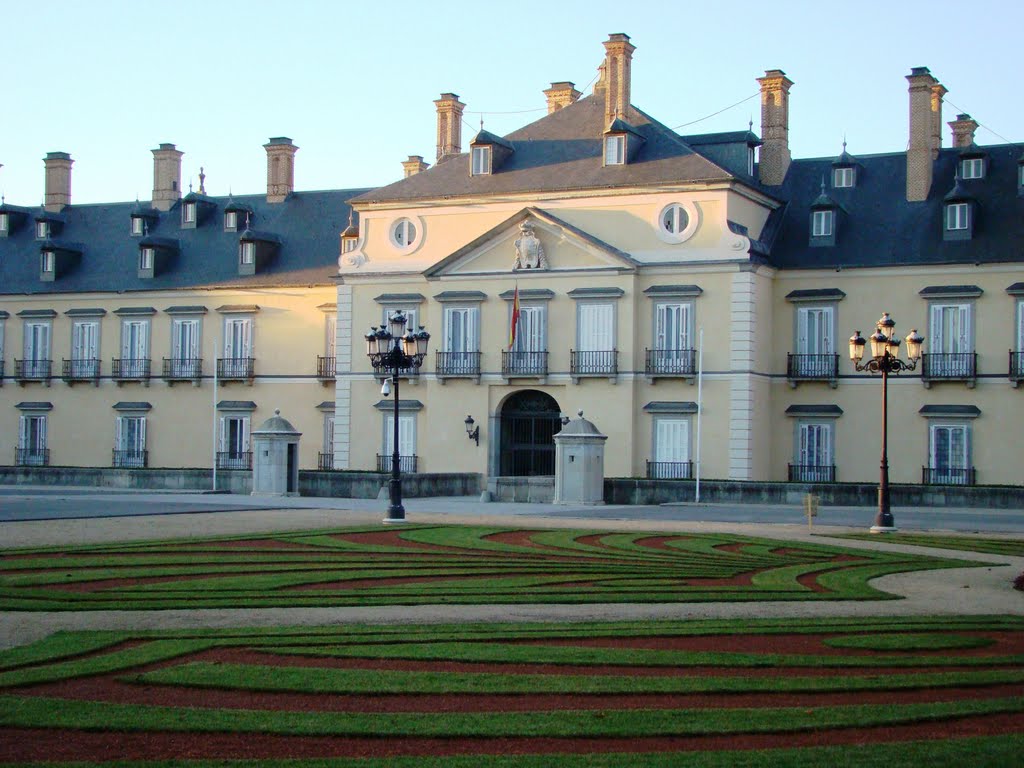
pixel 963 130
pixel 166 176
pixel 280 168
pixel 616 76
pixel 414 165
pixel 58 181
pixel 449 125
pixel 925 131
pixel 561 95
pixel 775 154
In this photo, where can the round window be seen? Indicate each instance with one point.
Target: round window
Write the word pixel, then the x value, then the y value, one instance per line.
pixel 403 233
pixel 674 219
pixel 676 222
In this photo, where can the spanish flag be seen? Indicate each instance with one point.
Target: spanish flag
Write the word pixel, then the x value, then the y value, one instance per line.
pixel 515 318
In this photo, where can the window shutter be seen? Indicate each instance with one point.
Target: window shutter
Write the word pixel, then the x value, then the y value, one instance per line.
pixel 119 434
pixel 328 446
pixel 141 434
pixel 23 432
pixel 673 440
pixel 42 432
pixel 332 334
pixel 1020 322
pixel 406 431
pixel 938 337
pixel 245 434
pixel 595 331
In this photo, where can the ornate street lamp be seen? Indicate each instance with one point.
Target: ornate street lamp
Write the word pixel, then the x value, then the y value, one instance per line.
pixel 885 359
pixel 397 351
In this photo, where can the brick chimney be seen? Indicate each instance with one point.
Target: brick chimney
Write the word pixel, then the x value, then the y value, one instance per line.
pixel 414 165
pixel 616 77
pixel 449 125
pixel 775 154
pixel 58 181
pixel 166 176
pixel 561 95
pixel 963 130
pixel 280 168
pixel 925 131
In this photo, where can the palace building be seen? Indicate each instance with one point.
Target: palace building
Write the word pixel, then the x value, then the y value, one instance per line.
pixel 651 275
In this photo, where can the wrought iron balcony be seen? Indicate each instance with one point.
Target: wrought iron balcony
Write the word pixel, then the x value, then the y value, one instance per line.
pixel 32 457
pixel 812 473
pixel 592 363
pixel 325 462
pixel 670 362
pixel 670 470
pixel 182 368
pixel 234 460
pixel 1016 367
pixel 949 366
pixel 948 475
pixel 405 463
pixel 32 370
pixel 131 459
pixel 516 363
pixel 453 365
pixel 236 368
pixel 801 367
pixel 326 368
pixel 80 370
pixel 130 369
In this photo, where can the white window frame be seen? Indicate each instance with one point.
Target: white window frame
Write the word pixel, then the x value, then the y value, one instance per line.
pixel 48 262
pixel 5 223
pixel 42 230
pixel 842 178
pixel 328 433
pixel 32 428
pixel 815 329
pixel 951 334
pixel 481 159
pixel 684 218
pixel 85 346
pixel 406 434
pixel 461 335
pixel 185 346
pixel 234 434
pixel 238 337
pixel 135 346
pixel 615 149
pixel 671 441
pixel 952 459
pixel 230 221
pixel 137 225
pixel 188 213
pixel 130 437
pixel 822 223
pixel 247 252
pixel 531 330
pixel 146 258
pixel 348 244
pixel 37 335
pixel 674 219
pixel 405 233
pixel 750 161
pixel 972 168
pixel 411 316
pixel 1020 329
pixel 814 444
pixel 597 332
pixel 681 336
pixel 958 217
pixel 331 335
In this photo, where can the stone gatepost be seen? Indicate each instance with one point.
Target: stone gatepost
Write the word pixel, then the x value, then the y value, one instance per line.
pixel 579 463
pixel 275 461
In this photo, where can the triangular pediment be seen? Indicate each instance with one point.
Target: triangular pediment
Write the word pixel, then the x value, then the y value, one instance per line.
pixel 532 240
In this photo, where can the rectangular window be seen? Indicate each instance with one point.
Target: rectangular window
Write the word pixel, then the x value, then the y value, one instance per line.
pixel 671 448
pixel 957 216
pixel 4 224
pixel 42 230
pixel 821 224
pixel 328 433
pixel 32 440
pixel 460 329
pixel 130 442
pixel 481 161
pixel 673 328
pixel 248 252
pixel 842 177
pixel 614 150
pixel 85 348
pixel 234 436
pixel 37 350
pixel 230 221
pixel 348 244
pixel 972 168
pixel 134 340
pixel 47 262
pixel 188 213
pixel 595 327
pixel 411 317
pixel 750 161
pixel 331 335
pixel 814 331
pixel 814 452
pixel 406 437
pixel 137 225
pixel 950 328
pixel 238 338
pixel 948 453
pixel 146 259
pixel 184 346
pixel 531 330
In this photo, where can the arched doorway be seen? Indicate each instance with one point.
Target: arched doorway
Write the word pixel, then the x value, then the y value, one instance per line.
pixel 529 422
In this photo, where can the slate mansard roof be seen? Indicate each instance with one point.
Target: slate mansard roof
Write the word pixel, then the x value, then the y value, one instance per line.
pixel 308 225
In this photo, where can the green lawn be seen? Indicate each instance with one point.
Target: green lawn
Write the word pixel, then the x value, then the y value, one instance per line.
pixel 994 546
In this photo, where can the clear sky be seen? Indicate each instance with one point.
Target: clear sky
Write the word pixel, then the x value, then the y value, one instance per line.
pixel 353 84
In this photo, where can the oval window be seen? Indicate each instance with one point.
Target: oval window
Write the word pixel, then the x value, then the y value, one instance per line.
pixel 674 219
pixel 403 233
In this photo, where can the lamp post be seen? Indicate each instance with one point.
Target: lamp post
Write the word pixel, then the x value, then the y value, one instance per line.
pixel 885 359
pixel 397 351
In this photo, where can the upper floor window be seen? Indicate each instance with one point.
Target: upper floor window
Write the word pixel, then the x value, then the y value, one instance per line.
pixel 822 223
pixel 750 161
pixel 972 168
pixel 5 224
pixel 481 160
pixel 48 262
pixel 42 230
pixel 188 213
pixel 138 225
pixel 230 221
pixel 842 177
pixel 957 216
pixel 348 244
pixel 674 219
pixel 146 259
pixel 614 150
pixel 404 233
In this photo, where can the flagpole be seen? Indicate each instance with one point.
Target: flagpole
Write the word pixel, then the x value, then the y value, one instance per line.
pixel 215 419
pixel 700 404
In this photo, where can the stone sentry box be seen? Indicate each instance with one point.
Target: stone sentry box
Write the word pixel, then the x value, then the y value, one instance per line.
pixel 579 463
pixel 275 467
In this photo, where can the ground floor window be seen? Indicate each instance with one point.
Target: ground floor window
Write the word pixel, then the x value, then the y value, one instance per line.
pixel 812 459
pixel 671 449
pixel 234 451
pixel 32 450
pixel 949 455
pixel 130 442
pixel 406 443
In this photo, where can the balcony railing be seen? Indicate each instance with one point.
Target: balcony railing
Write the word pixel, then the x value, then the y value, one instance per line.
pixel 670 362
pixel 593 363
pixel 236 368
pixel 812 473
pixel 80 370
pixel 948 475
pixel 670 470
pixel 406 373
pixel 234 460
pixel 32 457
pixel 800 367
pixel 405 463
pixel 130 369
pixel 516 363
pixel 32 370
pixel 182 368
pixel 326 368
pixel 1016 366
pixel 325 462
pixel 131 459
pixel 457 364
pixel 949 366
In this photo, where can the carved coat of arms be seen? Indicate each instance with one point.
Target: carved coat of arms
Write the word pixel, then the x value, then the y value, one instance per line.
pixel 529 251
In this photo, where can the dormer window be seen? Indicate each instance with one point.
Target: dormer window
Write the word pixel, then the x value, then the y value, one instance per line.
pixel 146 259
pixel 481 161
pixel 615 150
pixel 188 213
pixel 972 168
pixel 5 225
pixel 750 161
pixel 822 223
pixel 1020 178
pixel 247 254
pixel 842 177
pixel 230 221
pixel 42 230
pixel 348 244
pixel 47 262
pixel 138 226
pixel 958 216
